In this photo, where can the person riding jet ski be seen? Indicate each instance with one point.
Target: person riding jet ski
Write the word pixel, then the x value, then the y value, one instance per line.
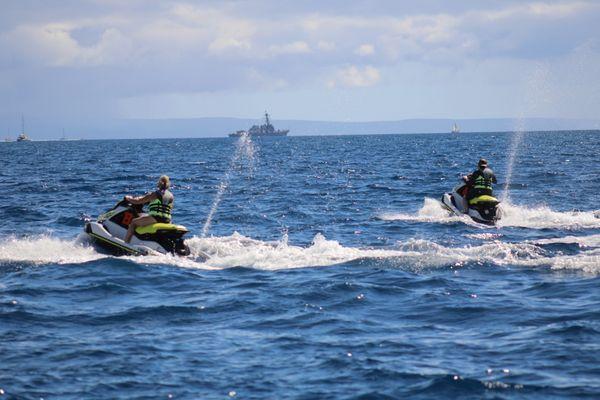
pixel 152 234
pixel 479 183
pixel 473 196
pixel 160 205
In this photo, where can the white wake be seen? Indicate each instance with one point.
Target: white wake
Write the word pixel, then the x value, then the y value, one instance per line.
pixel 533 217
pixel 45 250
pixel 237 250
pixel 431 211
pixel 542 217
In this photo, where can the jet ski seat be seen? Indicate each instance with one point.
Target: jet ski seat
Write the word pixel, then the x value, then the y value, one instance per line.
pixel 153 228
pixel 483 199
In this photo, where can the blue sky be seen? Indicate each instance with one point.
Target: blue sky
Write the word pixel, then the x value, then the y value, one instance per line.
pixel 315 60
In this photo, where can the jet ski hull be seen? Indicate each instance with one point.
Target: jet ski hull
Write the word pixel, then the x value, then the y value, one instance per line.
pixel 101 237
pixel 485 213
pixel 109 231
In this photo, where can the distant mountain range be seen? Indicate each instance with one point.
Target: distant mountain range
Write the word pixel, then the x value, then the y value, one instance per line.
pixel 41 129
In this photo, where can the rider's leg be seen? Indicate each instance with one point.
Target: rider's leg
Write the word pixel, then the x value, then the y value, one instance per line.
pixel 139 221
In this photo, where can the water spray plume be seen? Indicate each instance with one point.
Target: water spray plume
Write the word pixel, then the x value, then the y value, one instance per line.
pixel 537 92
pixel 515 143
pixel 243 155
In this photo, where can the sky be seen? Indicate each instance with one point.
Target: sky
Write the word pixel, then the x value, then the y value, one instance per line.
pixel 337 60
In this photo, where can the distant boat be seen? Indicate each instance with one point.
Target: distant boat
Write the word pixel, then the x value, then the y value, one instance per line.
pixel 455 128
pixel 22 136
pixel 265 129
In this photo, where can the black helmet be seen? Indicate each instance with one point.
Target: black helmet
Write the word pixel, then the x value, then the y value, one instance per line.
pixel 482 163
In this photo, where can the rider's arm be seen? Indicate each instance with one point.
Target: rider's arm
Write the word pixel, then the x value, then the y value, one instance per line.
pixel 469 179
pixel 148 197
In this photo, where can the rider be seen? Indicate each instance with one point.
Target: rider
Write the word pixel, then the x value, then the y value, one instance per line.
pixel 160 204
pixel 479 182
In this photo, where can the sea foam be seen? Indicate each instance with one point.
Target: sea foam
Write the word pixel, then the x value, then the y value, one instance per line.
pixel 240 251
pixel 533 217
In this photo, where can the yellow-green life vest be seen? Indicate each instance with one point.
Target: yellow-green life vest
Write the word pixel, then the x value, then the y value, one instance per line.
pixel 482 183
pixel 161 206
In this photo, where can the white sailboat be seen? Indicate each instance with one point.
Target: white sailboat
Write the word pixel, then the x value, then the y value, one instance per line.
pixel 455 128
pixel 22 136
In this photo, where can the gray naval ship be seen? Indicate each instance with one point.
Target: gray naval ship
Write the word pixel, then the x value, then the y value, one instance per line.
pixel 265 129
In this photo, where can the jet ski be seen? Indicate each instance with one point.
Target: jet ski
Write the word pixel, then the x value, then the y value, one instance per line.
pixel 109 230
pixel 484 209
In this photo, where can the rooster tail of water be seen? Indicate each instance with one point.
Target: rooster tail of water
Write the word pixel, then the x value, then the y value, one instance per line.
pixel 243 156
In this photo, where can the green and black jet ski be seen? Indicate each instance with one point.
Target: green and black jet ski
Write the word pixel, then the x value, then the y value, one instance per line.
pixel 483 209
pixel 109 230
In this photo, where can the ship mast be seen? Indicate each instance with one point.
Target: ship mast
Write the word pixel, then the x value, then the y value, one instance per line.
pixel 267 118
pixel 22 124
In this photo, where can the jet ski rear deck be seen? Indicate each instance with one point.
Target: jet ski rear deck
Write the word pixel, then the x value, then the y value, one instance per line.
pixel 485 211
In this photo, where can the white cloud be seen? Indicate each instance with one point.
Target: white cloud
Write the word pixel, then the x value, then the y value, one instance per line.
pixel 297 47
pixel 53 45
pixel 171 46
pixel 354 76
pixel 49 45
pixel 114 48
pixel 267 82
pixel 192 33
pixel 560 10
pixel 207 28
pixel 227 43
pixel 365 50
pixel 537 9
pixel 324 45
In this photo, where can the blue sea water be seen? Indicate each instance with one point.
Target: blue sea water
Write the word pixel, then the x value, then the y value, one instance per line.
pixel 334 272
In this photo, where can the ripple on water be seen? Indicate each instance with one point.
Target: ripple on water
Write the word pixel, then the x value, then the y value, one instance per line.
pixel 346 279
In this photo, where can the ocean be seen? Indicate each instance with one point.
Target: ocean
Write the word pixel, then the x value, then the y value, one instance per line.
pixel 334 273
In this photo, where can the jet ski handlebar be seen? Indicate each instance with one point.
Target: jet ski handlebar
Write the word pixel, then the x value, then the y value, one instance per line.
pixel 125 203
